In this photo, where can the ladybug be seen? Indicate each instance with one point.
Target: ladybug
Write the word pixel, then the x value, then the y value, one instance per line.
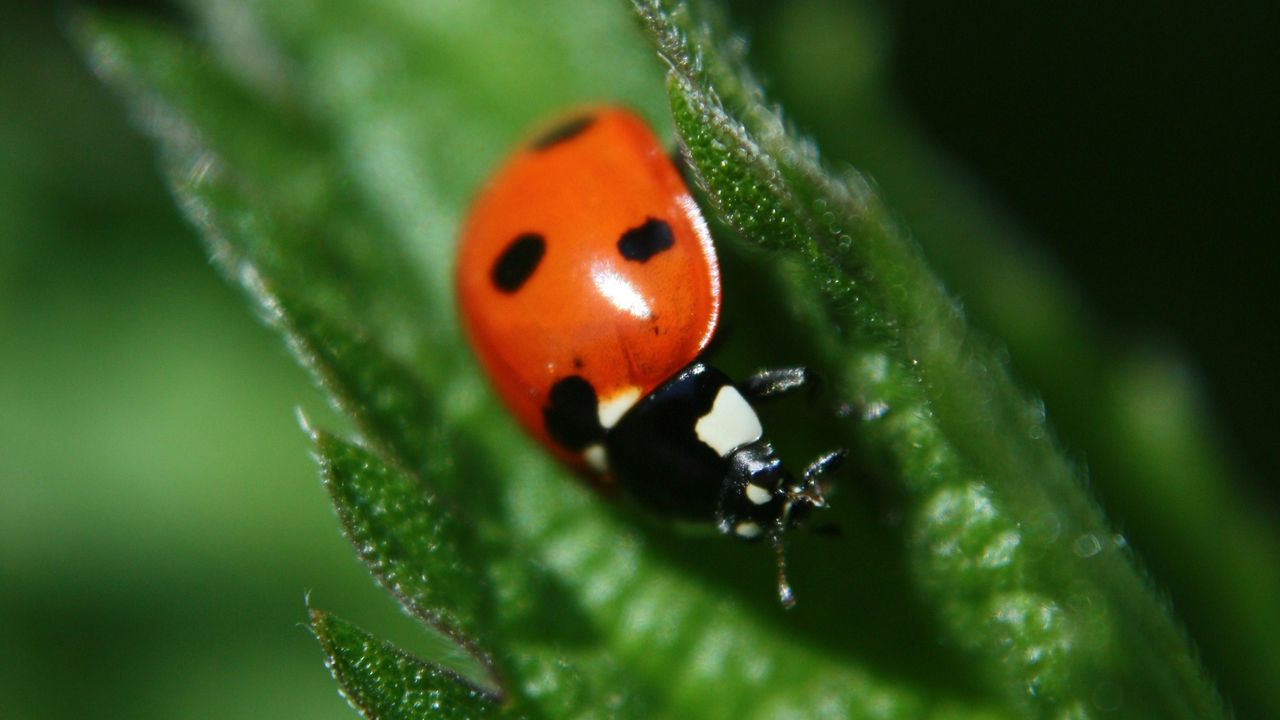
pixel 589 287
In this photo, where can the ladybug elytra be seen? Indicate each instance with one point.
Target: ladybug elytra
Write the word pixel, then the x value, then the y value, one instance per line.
pixel 589 287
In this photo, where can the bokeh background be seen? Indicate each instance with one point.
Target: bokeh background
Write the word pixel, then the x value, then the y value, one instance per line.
pixel 160 519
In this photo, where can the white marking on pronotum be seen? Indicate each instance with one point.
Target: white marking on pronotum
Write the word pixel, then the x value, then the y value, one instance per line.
pixel 747 529
pixel 612 408
pixel 730 424
pixel 596 458
pixel 758 495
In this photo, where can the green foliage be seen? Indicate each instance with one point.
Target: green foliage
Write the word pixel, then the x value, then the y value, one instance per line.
pixel 412 546
pixel 1019 561
pixel 384 682
pixel 326 151
pixel 1155 450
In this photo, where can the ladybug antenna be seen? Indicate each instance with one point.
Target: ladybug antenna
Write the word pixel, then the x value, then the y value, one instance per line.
pixel 785 596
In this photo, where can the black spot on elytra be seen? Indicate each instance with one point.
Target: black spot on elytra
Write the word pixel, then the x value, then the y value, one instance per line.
pixel 643 242
pixel 578 363
pixel 517 262
pixel 572 416
pixel 567 130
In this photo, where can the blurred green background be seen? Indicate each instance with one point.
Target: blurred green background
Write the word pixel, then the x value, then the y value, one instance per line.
pixel 160 519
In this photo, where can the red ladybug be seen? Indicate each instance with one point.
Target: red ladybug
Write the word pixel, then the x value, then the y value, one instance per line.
pixel 589 286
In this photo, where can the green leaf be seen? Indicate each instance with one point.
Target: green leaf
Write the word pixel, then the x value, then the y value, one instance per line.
pixel 326 151
pixel 595 606
pixel 384 682
pixel 415 549
pixel 1157 459
pixel 1007 544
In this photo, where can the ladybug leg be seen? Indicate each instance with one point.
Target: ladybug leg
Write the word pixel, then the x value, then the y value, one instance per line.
pixel 774 382
pixel 813 490
pixel 809 493
pixel 759 499
pixel 825 464
pixel 785 594
pixel 749 512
